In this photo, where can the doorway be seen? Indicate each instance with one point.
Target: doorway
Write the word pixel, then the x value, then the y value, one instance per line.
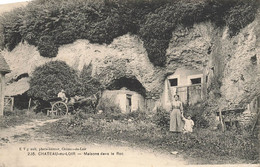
pixel 128 103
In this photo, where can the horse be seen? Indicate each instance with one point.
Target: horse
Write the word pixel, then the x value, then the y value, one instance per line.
pixel 38 105
pixel 91 101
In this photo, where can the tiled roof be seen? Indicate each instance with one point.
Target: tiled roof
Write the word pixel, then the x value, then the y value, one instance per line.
pixel 3 65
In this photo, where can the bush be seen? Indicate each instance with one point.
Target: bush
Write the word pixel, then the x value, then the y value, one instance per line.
pixel 162 119
pixel 109 109
pixel 87 109
pixel 47 80
pixel 47 47
pixel 108 106
pixel 137 116
pixel 75 122
pixel 12 23
pixel 9 113
pixel 197 115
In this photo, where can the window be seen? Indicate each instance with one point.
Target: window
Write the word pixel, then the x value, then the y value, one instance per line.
pixel 195 81
pixel 174 82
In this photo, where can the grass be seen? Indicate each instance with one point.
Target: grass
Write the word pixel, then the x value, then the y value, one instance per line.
pixel 203 146
pixel 141 130
pixel 18 117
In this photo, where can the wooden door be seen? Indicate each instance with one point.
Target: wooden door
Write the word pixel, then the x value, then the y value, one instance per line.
pixel 128 103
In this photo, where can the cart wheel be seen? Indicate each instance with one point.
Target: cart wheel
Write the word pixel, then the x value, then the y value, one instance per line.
pixel 60 107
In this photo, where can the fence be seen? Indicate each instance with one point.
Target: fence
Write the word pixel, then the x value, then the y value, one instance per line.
pixel 189 94
pixel 8 103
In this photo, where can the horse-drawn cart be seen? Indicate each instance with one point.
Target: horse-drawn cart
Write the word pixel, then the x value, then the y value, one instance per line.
pixel 55 106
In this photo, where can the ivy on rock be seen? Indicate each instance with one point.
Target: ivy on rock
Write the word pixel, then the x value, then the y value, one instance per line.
pixel 49 24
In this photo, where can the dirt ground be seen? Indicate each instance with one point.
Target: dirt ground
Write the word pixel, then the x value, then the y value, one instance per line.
pixel 24 146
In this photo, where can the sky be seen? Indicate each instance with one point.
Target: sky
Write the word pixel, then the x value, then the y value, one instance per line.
pixel 11 1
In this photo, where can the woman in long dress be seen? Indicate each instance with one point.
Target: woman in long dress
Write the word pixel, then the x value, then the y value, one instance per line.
pixel 176 124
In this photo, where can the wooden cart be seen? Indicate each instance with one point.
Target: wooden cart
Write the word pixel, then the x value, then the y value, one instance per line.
pixel 58 107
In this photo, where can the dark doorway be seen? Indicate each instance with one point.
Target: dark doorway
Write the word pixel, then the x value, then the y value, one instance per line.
pixel 128 103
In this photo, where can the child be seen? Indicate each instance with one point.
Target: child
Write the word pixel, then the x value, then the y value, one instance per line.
pixel 188 124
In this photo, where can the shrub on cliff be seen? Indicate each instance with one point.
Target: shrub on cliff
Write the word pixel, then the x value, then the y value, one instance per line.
pixel 240 15
pixel 46 47
pixel 103 20
pixel 47 80
pixel 11 25
pixel 90 85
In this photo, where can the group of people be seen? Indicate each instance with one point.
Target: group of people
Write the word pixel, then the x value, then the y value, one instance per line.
pixel 178 123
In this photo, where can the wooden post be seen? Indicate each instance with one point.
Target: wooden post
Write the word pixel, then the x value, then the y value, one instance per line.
pixel 29 105
pixel 255 123
pixel 12 104
pixel 188 96
pixel 2 94
pixel 221 121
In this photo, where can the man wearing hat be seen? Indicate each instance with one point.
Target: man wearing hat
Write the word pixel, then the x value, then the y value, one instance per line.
pixel 62 95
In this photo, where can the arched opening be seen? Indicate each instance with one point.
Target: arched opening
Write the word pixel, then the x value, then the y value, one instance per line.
pixel 127 93
pixel 131 84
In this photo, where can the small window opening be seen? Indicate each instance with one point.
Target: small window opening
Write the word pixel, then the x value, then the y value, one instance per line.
pixel 254 60
pixel 209 50
pixel 174 82
pixel 196 81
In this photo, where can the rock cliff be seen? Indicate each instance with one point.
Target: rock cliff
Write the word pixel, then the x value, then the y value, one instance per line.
pixel 230 64
pixel 236 64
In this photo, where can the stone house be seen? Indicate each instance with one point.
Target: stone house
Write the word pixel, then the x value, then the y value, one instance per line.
pixel 187 83
pixel 127 100
pixel 4 69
